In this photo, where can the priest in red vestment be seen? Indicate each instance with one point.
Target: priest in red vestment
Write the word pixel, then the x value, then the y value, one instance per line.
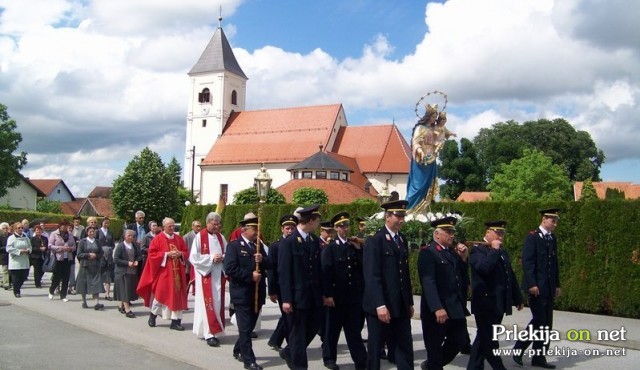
pixel 163 284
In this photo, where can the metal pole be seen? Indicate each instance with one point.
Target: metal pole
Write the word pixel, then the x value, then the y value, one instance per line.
pixel 193 168
pixel 255 308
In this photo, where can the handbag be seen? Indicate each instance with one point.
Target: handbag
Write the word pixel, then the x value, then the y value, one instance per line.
pixel 49 262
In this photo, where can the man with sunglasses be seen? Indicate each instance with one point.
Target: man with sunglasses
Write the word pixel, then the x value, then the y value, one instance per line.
pixel 494 290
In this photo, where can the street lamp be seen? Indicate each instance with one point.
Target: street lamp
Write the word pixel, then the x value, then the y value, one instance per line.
pixel 263 184
pixel 384 194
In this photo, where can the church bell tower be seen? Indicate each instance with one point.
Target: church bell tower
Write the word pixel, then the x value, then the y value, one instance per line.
pixel 218 88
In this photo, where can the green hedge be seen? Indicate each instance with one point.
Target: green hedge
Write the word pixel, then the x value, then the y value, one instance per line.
pixel 115 224
pixel 598 244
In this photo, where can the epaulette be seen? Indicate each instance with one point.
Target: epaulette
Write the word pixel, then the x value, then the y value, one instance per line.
pixel 532 232
pixel 424 247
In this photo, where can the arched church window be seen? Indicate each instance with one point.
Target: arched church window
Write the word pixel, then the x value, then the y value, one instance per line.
pixel 204 96
pixel 234 97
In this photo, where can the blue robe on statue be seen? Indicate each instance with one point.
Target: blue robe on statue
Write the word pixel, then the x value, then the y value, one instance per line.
pixel 421 177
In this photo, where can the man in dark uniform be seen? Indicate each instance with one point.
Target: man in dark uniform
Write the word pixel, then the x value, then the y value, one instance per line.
pixel 299 273
pixel 287 225
pixel 541 279
pixel 443 304
pixel 494 290
pixel 342 290
pixel 240 259
pixel 326 234
pixel 361 227
pixel 388 300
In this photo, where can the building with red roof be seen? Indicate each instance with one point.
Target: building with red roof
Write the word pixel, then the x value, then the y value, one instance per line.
pixel 226 144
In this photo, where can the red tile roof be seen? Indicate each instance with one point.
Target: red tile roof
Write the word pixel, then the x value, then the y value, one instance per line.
pixel 338 192
pixel 356 177
pixel 73 207
pixel 102 206
pixel 380 148
pixel 46 185
pixel 100 192
pixel 473 196
pixel 274 136
pixel 631 191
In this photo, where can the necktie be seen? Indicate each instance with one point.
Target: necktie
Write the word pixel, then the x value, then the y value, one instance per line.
pixel 396 239
pixel 252 246
pixel 306 239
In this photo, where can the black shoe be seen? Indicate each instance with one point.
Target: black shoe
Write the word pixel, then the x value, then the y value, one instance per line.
pixel 286 357
pixel 175 325
pixel 152 320
pixel 17 295
pixel 254 335
pixel 423 365
pixel 542 362
pixel 466 349
pixel 252 366
pixel 517 359
pixel 122 310
pixel 108 298
pixel 85 305
pixel 331 366
pixel 213 342
pixel 274 346
pixel 237 356
pixel 130 315
pixel 100 306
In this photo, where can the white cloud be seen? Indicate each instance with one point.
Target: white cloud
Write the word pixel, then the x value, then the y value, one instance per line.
pixel 107 78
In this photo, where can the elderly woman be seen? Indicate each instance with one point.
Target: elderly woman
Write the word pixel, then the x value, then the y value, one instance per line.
pixel 89 279
pixel 39 245
pixel 18 248
pixel 62 244
pixel 126 256
pixel 107 242
pixel 4 257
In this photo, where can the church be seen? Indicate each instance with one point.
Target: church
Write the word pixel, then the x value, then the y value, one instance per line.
pixel 309 146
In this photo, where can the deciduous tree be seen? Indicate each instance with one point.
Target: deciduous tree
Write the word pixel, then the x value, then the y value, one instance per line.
pixel 460 169
pixel 11 162
pixel 533 177
pixel 145 185
pixel 574 150
pixel 310 196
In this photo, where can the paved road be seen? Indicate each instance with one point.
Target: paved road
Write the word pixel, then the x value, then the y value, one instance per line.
pixel 32 328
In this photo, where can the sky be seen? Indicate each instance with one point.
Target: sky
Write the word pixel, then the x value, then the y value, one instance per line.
pixel 90 83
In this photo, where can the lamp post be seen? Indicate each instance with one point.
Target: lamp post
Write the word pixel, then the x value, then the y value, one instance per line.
pixel 263 184
pixel 384 194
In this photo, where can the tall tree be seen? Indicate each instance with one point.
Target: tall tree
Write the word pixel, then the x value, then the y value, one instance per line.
pixel 588 191
pixel 460 169
pixel 174 170
pixel 145 185
pixel 573 150
pixel 10 163
pixel 533 177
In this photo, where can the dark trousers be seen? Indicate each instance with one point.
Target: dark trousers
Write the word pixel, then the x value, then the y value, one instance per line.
pixel 18 278
pixel 399 333
pixel 444 341
pixel 246 320
pixel 348 318
pixel 60 274
pixel 280 332
pixel 37 270
pixel 304 325
pixel 541 315
pixel 484 345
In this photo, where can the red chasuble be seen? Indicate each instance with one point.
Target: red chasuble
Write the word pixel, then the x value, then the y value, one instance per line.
pixel 212 320
pixel 168 283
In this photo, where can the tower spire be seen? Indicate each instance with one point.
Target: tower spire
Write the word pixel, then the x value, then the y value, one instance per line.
pixel 220 17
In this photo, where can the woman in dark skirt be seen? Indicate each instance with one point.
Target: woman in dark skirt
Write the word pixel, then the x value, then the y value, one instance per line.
pixel 126 258
pixel 89 280
pixel 39 245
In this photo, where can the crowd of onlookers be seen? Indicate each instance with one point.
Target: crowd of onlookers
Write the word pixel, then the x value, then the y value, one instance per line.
pixel 82 259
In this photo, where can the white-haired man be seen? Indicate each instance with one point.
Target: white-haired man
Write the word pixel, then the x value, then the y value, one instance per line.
pixel 207 252
pixel 163 284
